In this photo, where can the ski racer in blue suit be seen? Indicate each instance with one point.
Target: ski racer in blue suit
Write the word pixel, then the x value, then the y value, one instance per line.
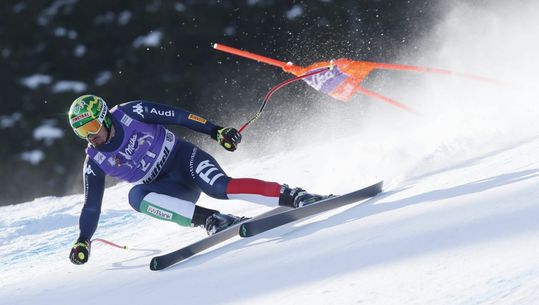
pixel 130 142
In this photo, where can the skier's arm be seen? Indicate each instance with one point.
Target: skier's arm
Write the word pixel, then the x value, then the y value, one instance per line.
pixel 154 113
pixel 94 187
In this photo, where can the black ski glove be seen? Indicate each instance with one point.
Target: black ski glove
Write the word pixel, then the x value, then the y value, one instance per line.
pixel 228 137
pixel 80 252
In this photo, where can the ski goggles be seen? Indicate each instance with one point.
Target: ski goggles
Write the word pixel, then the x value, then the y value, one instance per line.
pixel 88 129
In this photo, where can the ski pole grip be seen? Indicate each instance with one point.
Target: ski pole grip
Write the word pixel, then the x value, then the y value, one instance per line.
pixel 249 55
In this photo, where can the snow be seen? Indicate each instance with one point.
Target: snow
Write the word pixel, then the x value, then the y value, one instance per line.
pixel 180 7
pixel 295 12
pixel 48 133
pixel 152 39
pixel 62 32
pixel 124 17
pixel 33 156
pixel 253 2
pixel 8 121
pixel 103 77
pixel 456 223
pixel 69 85
pixel 35 80
pixel 51 11
pixel 79 50
pixel 458 235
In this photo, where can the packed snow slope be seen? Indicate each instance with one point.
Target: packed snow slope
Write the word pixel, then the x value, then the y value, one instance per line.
pixel 456 224
pixel 466 233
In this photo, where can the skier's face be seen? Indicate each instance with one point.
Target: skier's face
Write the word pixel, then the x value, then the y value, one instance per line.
pixel 99 138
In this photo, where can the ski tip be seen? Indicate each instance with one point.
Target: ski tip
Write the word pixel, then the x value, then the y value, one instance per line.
pixel 244 230
pixel 154 264
pixel 376 188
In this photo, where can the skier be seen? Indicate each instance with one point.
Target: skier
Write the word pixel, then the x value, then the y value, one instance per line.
pixel 130 143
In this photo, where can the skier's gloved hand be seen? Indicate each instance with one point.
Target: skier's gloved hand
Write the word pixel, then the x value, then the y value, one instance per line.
pixel 228 137
pixel 80 252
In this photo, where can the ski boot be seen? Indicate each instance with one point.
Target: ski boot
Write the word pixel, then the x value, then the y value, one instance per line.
pixel 298 197
pixel 217 222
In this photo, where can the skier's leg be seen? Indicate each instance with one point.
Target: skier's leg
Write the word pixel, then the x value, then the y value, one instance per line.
pixel 208 175
pixel 193 168
pixel 166 200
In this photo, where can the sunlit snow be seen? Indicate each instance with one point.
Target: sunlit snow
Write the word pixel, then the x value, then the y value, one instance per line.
pixel 456 223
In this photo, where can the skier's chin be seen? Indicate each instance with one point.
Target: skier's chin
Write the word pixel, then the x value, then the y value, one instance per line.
pixel 97 145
